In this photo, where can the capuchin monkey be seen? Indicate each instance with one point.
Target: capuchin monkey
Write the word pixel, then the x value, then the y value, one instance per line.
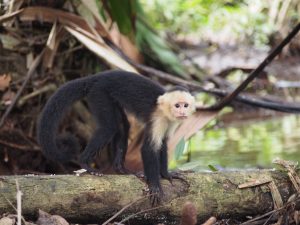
pixel 109 95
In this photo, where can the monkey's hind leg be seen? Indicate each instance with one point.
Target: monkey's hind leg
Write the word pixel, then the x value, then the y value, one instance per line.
pixel 104 111
pixel 120 144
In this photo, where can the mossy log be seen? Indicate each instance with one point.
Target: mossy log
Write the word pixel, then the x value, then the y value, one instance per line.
pixel 88 198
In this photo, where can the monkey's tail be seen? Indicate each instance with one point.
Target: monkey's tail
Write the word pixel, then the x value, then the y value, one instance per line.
pixel 61 148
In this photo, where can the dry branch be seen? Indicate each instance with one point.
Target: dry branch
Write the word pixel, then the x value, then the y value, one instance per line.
pixel 95 199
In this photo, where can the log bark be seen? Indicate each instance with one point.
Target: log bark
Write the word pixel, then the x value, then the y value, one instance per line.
pixel 92 199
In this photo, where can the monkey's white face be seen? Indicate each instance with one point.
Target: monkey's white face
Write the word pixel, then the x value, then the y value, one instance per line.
pixel 180 110
pixel 177 105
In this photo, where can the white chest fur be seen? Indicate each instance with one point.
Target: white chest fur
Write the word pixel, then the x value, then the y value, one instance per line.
pixel 161 128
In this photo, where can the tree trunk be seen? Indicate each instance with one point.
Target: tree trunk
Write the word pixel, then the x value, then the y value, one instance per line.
pixel 92 199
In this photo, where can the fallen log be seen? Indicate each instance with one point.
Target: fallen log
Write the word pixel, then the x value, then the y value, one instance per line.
pixel 92 199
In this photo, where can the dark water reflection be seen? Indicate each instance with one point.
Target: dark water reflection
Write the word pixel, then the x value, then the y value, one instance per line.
pixel 247 145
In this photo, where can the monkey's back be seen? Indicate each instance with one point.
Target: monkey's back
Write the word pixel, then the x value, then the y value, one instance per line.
pixel 137 94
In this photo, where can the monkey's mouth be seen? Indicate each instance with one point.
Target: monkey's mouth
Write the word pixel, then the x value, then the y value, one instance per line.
pixel 181 117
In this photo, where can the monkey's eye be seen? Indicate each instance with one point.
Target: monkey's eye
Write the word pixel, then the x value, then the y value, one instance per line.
pixel 177 105
pixel 186 105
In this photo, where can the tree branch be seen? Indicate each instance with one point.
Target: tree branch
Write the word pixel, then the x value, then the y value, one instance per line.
pixel 91 199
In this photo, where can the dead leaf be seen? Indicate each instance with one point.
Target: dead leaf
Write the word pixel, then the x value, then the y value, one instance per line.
pixel 9 16
pixel 133 159
pixel 125 44
pixel 98 23
pixel 4 81
pixel 13 8
pixel 55 36
pixel 80 29
pixel 102 50
pixel 254 183
pixel 66 18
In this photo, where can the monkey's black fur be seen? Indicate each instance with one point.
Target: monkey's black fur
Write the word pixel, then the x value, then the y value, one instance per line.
pixel 119 143
pixel 108 94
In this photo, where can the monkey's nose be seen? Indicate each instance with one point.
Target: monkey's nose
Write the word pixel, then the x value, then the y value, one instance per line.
pixel 182 113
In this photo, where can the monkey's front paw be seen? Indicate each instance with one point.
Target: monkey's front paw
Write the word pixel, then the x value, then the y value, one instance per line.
pixel 156 194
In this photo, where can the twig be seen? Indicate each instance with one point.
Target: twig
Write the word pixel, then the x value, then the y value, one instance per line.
pixel 30 72
pixel 20 147
pixel 10 203
pixel 122 210
pixel 249 222
pixel 19 204
pixel 35 93
pixel 270 217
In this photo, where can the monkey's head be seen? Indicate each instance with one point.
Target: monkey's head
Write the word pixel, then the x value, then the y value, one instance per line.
pixel 177 104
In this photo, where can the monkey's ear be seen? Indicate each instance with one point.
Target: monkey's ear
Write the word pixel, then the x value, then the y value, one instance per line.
pixel 164 99
pixel 161 99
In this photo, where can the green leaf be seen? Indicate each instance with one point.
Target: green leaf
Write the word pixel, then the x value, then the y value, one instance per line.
pixel 212 168
pixel 179 149
pixel 146 37
pixel 123 12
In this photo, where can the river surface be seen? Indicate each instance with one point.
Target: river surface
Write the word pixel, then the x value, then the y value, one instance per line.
pixel 244 144
pixel 251 144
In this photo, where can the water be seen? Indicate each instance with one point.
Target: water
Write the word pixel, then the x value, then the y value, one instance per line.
pixel 248 145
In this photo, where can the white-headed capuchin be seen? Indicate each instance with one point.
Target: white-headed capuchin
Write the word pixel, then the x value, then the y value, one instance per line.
pixel 109 94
